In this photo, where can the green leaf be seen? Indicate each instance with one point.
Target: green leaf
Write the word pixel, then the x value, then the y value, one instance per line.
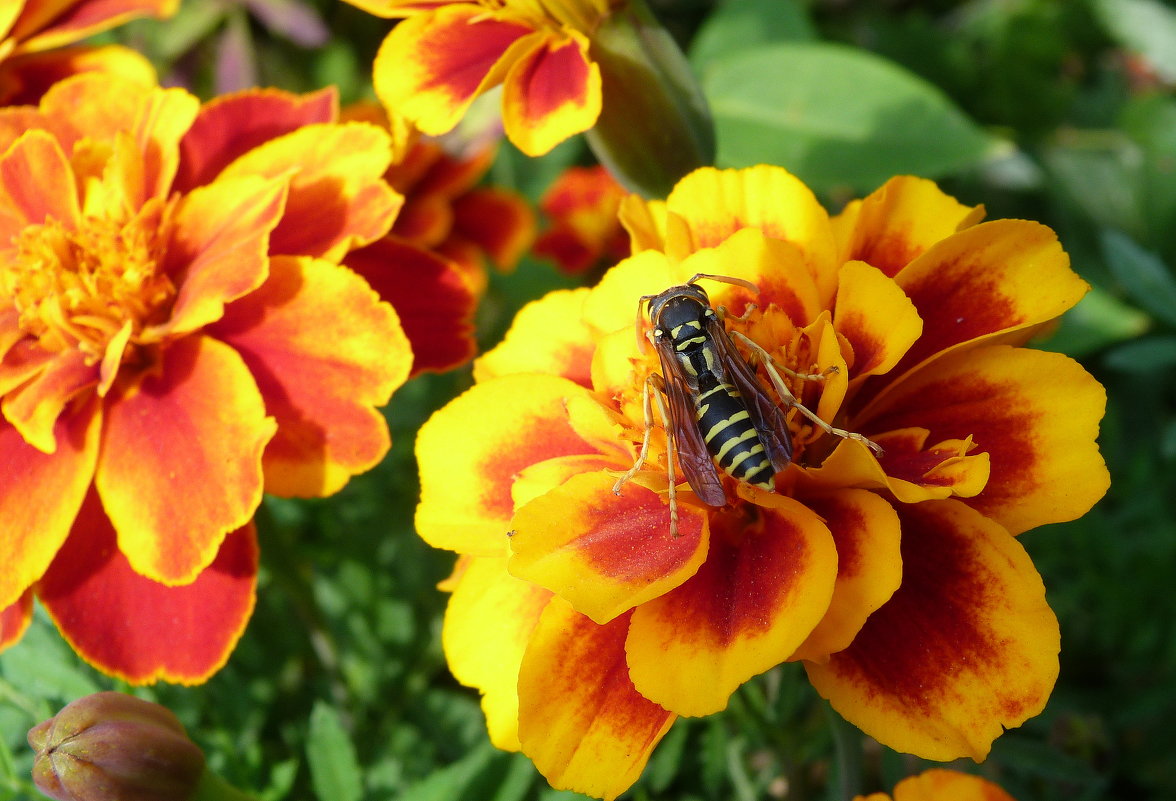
pixel 836 116
pixel 1100 319
pixel 1145 26
pixel 738 24
pixel 1148 355
pixel 1145 278
pixel 334 770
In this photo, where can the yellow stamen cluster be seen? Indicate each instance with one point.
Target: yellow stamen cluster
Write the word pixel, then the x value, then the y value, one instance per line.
pixel 76 288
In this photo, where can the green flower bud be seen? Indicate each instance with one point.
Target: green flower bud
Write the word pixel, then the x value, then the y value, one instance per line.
pixel 115 747
pixel 655 126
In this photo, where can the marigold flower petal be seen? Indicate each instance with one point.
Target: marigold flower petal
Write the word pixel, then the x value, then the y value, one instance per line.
pixel 33 162
pixel 876 317
pixel 580 719
pixel 899 221
pixel 937 784
pixel 498 221
pixel 465 482
pixel 866 532
pixel 181 458
pixel 763 587
pixel 33 408
pixel 605 553
pixel 431 67
pixel 219 243
pixel 966 648
pixel 550 93
pixel 41 493
pixel 131 627
pixel 996 278
pixel 338 199
pixel 15 618
pixel 100 108
pixel 1035 413
pixel 431 295
pixel 62 23
pixel 717 203
pixel 488 624
pixel 613 302
pixel 229 126
pixel 548 335
pixel 909 469
pixel 26 78
pixel 324 350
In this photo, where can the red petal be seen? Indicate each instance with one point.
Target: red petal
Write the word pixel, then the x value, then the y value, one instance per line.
pixel 14 619
pixel 231 125
pixel 431 296
pixel 324 351
pixel 580 718
pixel 40 495
pixel 140 631
pixel 181 458
pixel 766 583
pixel 966 648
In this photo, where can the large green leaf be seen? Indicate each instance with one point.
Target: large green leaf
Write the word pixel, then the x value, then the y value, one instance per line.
pixel 739 24
pixel 836 116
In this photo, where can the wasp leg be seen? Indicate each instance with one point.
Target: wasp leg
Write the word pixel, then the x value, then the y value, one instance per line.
pixel 723 312
pixel 658 384
pixel 766 358
pixel 787 397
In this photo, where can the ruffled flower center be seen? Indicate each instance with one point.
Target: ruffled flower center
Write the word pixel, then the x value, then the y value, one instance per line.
pixel 77 288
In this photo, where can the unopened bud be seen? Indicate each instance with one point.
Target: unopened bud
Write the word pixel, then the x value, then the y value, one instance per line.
pixel 115 747
pixel 654 126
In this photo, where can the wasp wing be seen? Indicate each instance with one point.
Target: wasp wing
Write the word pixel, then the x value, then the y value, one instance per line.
pixel 766 416
pixel 696 462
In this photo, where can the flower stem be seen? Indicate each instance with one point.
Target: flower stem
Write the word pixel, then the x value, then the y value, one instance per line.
pixel 847 743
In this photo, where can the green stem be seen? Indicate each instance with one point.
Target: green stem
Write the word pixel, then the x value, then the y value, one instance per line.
pixel 847 743
pixel 214 788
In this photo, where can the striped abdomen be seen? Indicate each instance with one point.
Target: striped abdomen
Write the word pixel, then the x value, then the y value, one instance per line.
pixel 729 434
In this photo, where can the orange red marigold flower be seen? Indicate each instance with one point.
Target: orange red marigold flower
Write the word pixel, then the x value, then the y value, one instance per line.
pixel 447 52
pixel 432 264
pixel 896 579
pixel 34 35
pixel 176 336
pixel 585 232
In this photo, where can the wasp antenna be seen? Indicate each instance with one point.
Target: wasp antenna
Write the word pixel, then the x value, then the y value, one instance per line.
pixel 725 279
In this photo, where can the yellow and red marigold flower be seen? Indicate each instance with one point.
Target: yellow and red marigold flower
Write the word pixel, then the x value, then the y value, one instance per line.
pixel 34 35
pixel 585 231
pixel 447 52
pixel 898 581
pixel 176 336
pixel 939 784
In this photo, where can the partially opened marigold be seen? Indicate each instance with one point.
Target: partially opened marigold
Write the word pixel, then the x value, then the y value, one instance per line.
pixel 176 335
pixel 34 35
pixel 897 580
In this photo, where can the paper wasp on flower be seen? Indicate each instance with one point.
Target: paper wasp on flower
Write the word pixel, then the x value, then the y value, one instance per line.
pixel 719 415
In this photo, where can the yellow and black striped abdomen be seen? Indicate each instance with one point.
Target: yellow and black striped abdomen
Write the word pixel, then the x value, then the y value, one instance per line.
pixel 730 436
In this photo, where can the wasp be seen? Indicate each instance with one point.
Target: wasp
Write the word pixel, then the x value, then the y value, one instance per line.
pixel 719 416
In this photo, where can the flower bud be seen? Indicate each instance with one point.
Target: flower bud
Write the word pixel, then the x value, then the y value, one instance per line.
pixel 115 747
pixel 654 126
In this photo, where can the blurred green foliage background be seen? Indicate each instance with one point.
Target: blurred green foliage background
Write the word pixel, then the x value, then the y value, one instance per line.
pixel 1062 111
